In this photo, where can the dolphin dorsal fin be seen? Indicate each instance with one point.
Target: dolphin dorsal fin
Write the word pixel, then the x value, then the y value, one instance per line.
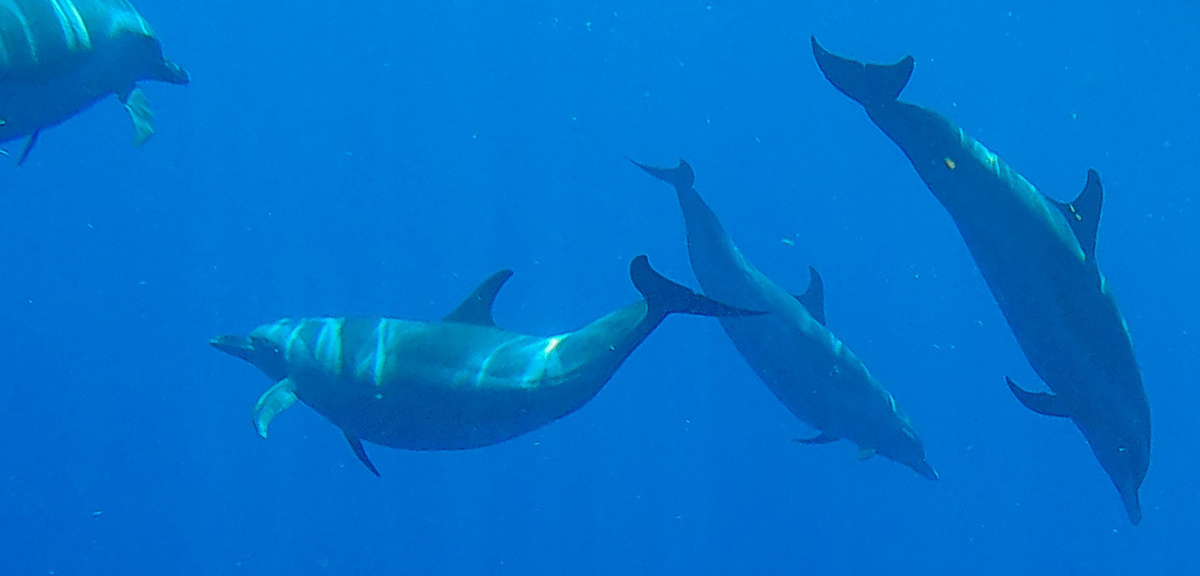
pixel 1084 213
pixel 477 308
pixel 813 299
pixel 1041 402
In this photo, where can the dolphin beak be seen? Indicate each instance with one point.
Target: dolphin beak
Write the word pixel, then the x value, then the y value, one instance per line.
pixel 233 345
pixel 174 73
pixel 926 471
pixel 1133 507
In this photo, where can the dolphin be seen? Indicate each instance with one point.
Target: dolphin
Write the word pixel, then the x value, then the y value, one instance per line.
pixel 813 373
pixel 1038 257
pixel 59 57
pixel 455 384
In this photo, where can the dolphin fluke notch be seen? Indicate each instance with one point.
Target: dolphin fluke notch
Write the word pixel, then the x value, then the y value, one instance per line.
pixel 867 84
pixel 681 176
pixel 477 307
pixel 667 297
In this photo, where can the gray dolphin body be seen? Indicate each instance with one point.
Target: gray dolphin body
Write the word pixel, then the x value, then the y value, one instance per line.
pixel 456 384
pixel 1038 257
pixel 801 361
pixel 59 57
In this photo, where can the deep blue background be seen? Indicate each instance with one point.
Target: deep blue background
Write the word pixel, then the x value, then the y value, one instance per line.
pixel 382 157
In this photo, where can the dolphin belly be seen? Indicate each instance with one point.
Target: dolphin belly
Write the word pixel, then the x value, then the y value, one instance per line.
pixel 27 107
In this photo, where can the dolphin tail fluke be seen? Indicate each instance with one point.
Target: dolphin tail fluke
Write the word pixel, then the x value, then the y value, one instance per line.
pixel 867 84
pixel 276 399
pixel 681 176
pixel 666 297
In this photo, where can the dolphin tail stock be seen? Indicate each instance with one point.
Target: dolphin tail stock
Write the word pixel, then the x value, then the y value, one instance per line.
pixel 681 176
pixel 667 297
pixel 867 84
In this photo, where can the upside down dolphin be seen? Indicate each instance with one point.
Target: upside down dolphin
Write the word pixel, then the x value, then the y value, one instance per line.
pixel 1038 257
pixel 813 373
pixel 59 57
pixel 456 384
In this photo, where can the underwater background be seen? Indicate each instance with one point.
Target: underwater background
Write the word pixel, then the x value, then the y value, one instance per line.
pixel 358 158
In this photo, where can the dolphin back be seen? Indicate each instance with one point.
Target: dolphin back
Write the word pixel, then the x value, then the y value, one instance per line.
pixel 867 84
pixel 47 37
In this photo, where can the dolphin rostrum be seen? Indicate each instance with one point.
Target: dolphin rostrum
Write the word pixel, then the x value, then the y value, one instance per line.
pixel 59 57
pixel 1038 257
pixel 455 384
pixel 813 373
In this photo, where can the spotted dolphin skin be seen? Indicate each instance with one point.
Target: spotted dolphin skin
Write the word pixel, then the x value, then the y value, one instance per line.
pixel 1038 256
pixel 456 384
pixel 815 376
pixel 59 57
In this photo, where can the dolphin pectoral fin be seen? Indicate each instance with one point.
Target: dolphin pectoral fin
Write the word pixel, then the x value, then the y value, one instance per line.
pixel 821 438
pixel 139 111
pixel 1041 402
pixel 1084 213
pixel 276 399
pixel 477 308
pixel 865 454
pixel 813 299
pixel 681 176
pixel 361 453
pixel 867 84
pixel 29 144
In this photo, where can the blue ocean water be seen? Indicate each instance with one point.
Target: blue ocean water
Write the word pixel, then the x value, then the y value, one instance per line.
pixel 360 158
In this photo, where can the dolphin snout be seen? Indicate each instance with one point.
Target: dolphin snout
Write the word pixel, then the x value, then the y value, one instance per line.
pixel 233 345
pixel 174 73
pixel 924 469
pixel 1133 507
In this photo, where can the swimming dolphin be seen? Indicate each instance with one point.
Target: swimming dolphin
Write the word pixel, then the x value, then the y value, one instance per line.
pixel 1038 256
pixel 812 372
pixel 456 384
pixel 60 57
